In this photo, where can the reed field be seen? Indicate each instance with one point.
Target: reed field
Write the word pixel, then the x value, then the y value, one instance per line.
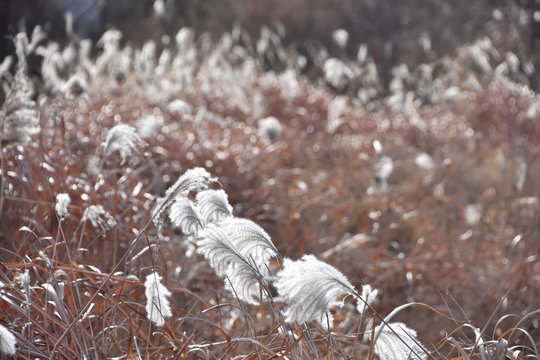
pixel 296 180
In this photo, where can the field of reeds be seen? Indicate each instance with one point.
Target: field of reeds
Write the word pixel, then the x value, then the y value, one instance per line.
pixel 161 197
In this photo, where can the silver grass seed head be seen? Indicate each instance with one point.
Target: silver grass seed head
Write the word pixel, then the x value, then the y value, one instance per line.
pixel 157 303
pixel 124 140
pixel 7 342
pixel 270 128
pixel 213 205
pixel 61 206
pixel 235 242
pixel 99 217
pixel 396 341
pixel 239 251
pixel 19 119
pixel 311 287
pixel 185 215
pixel 340 37
pixel 21 49
pixel 195 179
pixel 369 296
pixel 149 125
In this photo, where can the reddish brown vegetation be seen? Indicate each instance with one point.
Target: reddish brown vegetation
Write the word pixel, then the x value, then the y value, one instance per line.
pixel 460 235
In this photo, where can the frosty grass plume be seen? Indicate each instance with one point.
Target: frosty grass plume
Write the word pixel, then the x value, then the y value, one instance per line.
pixel 399 342
pixel 213 206
pixel 270 128
pixel 157 304
pixel 369 295
pixel 195 179
pixel 340 37
pixel 148 126
pixel 18 118
pixel 337 74
pixel 185 215
pixel 311 287
pixel 238 250
pixel 61 206
pixel 99 217
pixel 7 341
pixel 124 140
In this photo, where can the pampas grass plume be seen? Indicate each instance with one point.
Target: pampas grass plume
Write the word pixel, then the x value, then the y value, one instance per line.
pixel 61 206
pixel 397 341
pixel 7 341
pixel 157 304
pixel 124 140
pixel 311 287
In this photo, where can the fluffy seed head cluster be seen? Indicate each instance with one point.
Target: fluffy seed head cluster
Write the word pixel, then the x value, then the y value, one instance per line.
pixel 124 140
pixel 157 303
pixel 7 341
pixel 238 250
pixel 368 295
pixel 61 206
pixel 397 341
pixel 148 126
pixel 213 206
pixel 23 279
pixel 270 128
pixel 337 74
pixel 99 217
pixel 18 118
pixel 311 287
pixel 340 37
pixel 195 179
pixel 185 215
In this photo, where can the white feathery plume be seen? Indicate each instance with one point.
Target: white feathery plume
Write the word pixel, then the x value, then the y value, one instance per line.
pixel 396 341
pixel 21 49
pixel 75 85
pixel 157 304
pixel 61 206
pixel 185 215
pixel 195 179
pixel 7 342
pixel 311 287
pixel 99 217
pixel 340 37
pixel 213 205
pixel 270 128
pixel 20 120
pixel 124 140
pixel 238 249
pixel 6 64
pixel 244 281
pixel 180 107
pixel 149 125
pixel 234 240
pixel 369 295
pixel 18 116
pixel 23 279
pixel 337 74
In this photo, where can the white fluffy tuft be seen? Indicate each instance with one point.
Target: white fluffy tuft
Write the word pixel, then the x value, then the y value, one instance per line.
pixel 61 206
pixel 7 341
pixel 311 287
pixel 157 302
pixel 124 140
pixel 397 341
